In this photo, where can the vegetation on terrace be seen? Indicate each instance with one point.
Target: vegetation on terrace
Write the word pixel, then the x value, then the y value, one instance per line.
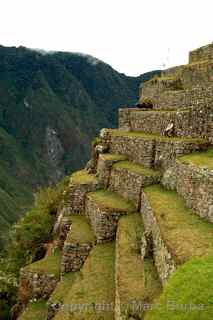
pixel 48 265
pixel 139 169
pixel 187 294
pixel 63 287
pixel 199 159
pixel 113 157
pixel 111 201
pixel 82 177
pixel 120 133
pixel 35 311
pixel 95 287
pixel 137 280
pixel 186 234
pixel 80 231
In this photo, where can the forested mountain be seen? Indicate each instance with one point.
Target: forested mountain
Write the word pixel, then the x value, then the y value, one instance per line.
pixel 51 106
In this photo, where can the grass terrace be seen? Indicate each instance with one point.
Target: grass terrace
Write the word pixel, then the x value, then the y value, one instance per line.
pixel 63 287
pixel 200 159
pixel 111 200
pixel 48 265
pixel 136 279
pixel 113 157
pixel 80 231
pixel 185 234
pixel 188 293
pixel 139 169
pixel 35 311
pixel 120 133
pixel 82 177
pixel 94 288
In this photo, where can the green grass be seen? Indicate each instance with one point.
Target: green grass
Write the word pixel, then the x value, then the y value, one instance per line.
pixel 63 287
pixel 82 177
pixel 48 265
pixel 94 286
pixel 113 157
pixel 120 133
pixel 111 200
pixel 35 311
pixel 200 159
pixel 185 234
pixel 191 284
pixel 81 231
pixel 136 279
pixel 128 165
pixel 130 273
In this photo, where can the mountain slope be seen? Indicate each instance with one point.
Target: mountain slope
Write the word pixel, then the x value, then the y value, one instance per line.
pixel 51 106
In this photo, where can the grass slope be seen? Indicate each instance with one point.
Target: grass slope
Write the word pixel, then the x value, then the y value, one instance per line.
pixel 188 295
pixel 185 233
pixel 94 289
pixel 35 311
pixel 200 159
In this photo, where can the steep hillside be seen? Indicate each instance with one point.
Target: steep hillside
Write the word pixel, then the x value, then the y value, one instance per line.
pixel 131 236
pixel 51 106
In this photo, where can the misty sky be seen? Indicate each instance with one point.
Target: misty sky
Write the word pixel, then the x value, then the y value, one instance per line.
pixel 133 36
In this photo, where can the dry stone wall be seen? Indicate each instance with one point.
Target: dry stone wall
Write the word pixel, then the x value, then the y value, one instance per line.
pixel 164 262
pixel 74 256
pixel 192 122
pixel 194 184
pixel 153 152
pixel 76 196
pixel 103 220
pixel 129 184
pixel 36 285
pixel 178 99
pixel 200 54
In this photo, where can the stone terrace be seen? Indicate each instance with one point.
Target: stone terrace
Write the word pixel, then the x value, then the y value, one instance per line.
pixel 146 210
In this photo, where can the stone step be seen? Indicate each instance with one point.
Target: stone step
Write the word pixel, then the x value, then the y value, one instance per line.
pixel 39 279
pixel 177 233
pixel 93 293
pixel 136 279
pixel 192 178
pixel 35 311
pixel 78 244
pixel 81 182
pixel 104 208
pixel 151 150
pixel 186 122
pixel 128 179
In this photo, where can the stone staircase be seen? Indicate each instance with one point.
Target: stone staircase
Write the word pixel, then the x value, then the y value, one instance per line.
pixel 143 209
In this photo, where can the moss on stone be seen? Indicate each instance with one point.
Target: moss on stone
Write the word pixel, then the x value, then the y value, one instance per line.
pixel 128 165
pixel 47 265
pixel 63 287
pixel 188 293
pixel 80 231
pixel 200 159
pixel 120 133
pixel 136 279
pixel 111 200
pixel 93 289
pixel 35 311
pixel 185 234
pixel 82 177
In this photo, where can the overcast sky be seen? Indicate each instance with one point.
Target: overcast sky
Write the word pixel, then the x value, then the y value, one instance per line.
pixel 133 36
